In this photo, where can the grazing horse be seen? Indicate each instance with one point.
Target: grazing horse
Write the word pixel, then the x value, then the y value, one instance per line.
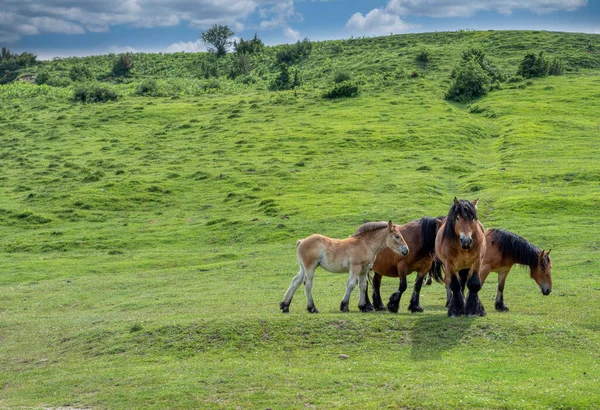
pixel 460 244
pixel 505 249
pixel 354 254
pixel 420 238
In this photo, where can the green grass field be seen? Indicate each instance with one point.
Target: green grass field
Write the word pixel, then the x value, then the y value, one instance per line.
pixel 147 243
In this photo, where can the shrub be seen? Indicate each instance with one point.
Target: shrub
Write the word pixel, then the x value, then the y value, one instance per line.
pixel 515 79
pixel 423 57
pixel 341 90
pixel 249 46
pixel 340 77
pixel 42 77
pixel 80 73
pixel 123 65
pixel 241 64
pixel 209 66
pixel 477 55
pixel 147 87
pixel 218 36
pixel 292 53
pixel 470 81
pixel 534 66
pixel 285 81
pixel 94 93
pixel 556 67
pixel 11 61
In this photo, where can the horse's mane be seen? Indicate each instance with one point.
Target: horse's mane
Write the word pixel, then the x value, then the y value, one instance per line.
pixel 370 227
pixel 464 209
pixel 428 233
pixel 517 247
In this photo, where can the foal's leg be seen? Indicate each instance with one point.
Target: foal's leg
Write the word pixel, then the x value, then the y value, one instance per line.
pixel 415 304
pixel 355 271
pixel 500 306
pixel 287 299
pixel 473 306
pixel 377 302
pixel 308 282
pixel 363 301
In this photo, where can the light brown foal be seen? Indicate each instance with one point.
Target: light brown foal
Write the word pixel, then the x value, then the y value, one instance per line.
pixel 354 255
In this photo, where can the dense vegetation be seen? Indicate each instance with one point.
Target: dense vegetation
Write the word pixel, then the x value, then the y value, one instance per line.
pixel 148 240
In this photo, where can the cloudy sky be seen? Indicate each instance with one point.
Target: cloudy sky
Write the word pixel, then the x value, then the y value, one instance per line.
pixel 52 28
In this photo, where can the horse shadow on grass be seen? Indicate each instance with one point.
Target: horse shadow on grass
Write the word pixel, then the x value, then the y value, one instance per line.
pixel 434 334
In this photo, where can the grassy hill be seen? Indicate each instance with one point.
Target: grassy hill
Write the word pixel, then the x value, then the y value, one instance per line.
pixel 147 242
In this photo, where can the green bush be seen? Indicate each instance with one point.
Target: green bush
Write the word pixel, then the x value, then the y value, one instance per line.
pixel 241 64
pixel 477 55
pixel 123 65
pixel 249 46
pixel 11 61
pixel 515 79
pixel 292 53
pixel 342 90
pixel 556 67
pixel 147 87
pixel 534 66
pixel 80 73
pixel 285 81
pixel 341 76
pixel 470 81
pixel 94 93
pixel 423 57
pixel 42 77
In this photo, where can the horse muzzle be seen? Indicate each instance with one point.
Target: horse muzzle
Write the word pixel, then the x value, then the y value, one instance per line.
pixel 466 243
pixel 404 250
pixel 546 289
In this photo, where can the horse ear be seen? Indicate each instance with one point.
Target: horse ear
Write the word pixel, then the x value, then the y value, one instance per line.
pixel 390 226
pixel 475 203
pixel 439 222
pixel 548 253
pixel 541 255
pixel 455 201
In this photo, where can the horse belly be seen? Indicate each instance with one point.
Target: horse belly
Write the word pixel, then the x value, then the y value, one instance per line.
pixel 335 266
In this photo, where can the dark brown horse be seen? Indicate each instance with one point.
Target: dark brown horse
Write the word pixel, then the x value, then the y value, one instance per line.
pixel 460 244
pixel 420 238
pixel 505 249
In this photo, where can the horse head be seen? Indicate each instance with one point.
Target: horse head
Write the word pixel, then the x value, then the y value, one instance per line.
pixel 542 272
pixel 395 241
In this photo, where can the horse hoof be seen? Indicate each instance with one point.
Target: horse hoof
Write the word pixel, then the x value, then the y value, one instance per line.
pixel 380 308
pixel 312 309
pixel 366 308
pixel 502 308
pixel 415 308
pixel 284 308
pixel 393 308
pixel 344 307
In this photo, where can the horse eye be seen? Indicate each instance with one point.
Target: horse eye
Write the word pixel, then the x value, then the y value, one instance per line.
pixel 397 236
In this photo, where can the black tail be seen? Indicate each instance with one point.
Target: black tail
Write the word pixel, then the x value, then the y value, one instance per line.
pixel 428 233
pixel 437 270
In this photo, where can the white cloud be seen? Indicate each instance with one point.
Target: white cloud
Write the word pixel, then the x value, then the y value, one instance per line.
pixel 122 49
pixel 292 34
pixel 467 8
pixel 376 22
pixel 187 47
pixel 25 17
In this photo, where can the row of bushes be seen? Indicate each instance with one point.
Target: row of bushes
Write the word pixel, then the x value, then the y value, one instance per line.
pixel 476 75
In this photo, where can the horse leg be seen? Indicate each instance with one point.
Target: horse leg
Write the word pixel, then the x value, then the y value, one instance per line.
pixel 415 304
pixel 457 302
pixel 464 275
pixel 394 302
pixel 473 306
pixel 363 301
pixel 377 302
pixel 352 279
pixel 308 282
pixel 429 280
pixel 448 296
pixel 500 306
pixel 287 299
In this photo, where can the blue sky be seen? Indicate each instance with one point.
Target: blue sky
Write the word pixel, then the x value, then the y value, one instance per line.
pixel 58 28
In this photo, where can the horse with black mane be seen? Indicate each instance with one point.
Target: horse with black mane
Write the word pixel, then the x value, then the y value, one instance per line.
pixel 505 249
pixel 460 244
pixel 354 255
pixel 420 237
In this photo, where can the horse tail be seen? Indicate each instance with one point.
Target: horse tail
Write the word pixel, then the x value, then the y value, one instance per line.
pixel 437 270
